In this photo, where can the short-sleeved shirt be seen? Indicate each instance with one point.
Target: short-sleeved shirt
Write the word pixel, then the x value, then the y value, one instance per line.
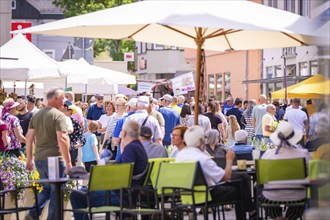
pixel 214 119
pixel 238 114
pixel 154 150
pixel 46 122
pixel 257 113
pixel 213 174
pixel 24 121
pixel 94 112
pixel 12 122
pixel 104 120
pixel 242 148
pixel 3 127
pixel 172 119
pixel 159 117
pixel 135 153
pixel 267 119
pixel 203 121
pixel 152 123
pixel 88 154
pixel 296 118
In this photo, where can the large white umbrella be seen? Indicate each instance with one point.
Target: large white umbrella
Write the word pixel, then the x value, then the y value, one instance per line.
pixel 213 25
pixel 28 63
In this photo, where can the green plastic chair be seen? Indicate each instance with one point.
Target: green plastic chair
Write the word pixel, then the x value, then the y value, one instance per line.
pixel 279 169
pixel 155 169
pixel 106 178
pixel 185 185
pixel 320 169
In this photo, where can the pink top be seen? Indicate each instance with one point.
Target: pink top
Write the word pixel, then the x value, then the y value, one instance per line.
pixel 3 127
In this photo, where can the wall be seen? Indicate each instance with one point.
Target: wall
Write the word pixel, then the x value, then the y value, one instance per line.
pixel 5 18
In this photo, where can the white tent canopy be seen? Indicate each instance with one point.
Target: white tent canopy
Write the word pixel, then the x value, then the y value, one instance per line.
pixel 80 71
pixel 29 62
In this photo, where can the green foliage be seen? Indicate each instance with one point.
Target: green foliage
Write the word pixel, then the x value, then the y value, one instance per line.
pixel 116 48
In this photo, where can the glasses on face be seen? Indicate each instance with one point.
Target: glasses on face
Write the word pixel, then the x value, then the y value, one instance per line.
pixel 99 99
pixel 175 135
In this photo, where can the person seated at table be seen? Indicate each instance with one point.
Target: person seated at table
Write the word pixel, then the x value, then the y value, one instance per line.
pixel 322 135
pixel 194 137
pixel 241 146
pixel 153 150
pixel 178 140
pixel 133 153
pixel 285 138
pixel 213 146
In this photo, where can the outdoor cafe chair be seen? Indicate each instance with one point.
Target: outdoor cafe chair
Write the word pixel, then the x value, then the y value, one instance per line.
pixel 279 169
pixel 185 185
pixel 105 178
pixel 13 194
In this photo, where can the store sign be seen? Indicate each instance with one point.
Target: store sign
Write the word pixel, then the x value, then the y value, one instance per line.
pixel 129 56
pixel 183 84
pixel 21 25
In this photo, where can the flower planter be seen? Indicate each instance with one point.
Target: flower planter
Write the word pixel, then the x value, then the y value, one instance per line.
pixel 28 201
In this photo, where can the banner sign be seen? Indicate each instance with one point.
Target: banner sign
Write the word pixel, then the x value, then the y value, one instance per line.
pixel 21 25
pixel 183 83
pixel 145 86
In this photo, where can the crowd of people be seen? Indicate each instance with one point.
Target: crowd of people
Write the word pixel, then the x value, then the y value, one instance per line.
pixel 159 128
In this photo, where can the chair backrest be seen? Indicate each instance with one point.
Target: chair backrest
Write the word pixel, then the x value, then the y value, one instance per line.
pixel 110 177
pixel 280 169
pixel 245 156
pixel 155 168
pixel 320 169
pixel 147 180
pixel 187 175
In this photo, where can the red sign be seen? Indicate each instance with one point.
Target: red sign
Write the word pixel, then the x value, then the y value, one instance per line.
pixel 20 25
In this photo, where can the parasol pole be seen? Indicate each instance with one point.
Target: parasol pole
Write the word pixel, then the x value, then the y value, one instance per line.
pixel 199 42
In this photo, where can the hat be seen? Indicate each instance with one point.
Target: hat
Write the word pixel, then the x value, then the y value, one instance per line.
pixel 143 100
pixel 285 133
pixel 145 132
pixel 132 102
pixel 78 172
pixel 10 103
pixel 98 95
pixel 31 98
pixel 167 97
pixel 72 108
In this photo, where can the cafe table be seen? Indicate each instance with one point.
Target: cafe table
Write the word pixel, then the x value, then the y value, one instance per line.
pixel 58 200
pixel 313 184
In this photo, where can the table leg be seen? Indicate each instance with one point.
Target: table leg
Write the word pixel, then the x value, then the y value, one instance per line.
pixel 58 201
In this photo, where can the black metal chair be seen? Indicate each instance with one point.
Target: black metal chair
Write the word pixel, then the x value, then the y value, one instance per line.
pixel 13 193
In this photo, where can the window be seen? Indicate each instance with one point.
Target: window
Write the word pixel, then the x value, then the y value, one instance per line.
pixel 303 69
pixel 142 64
pixel 211 85
pixel 291 70
pixel 278 86
pixel 227 84
pixel 219 86
pixel 289 5
pixel 278 71
pixel 313 67
pixel 50 53
pixel 269 72
pixel 143 47
pixel 13 4
pixel 158 47
pixel 304 7
pixel 272 3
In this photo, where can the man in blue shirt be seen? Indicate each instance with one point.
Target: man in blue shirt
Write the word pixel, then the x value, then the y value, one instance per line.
pixel 228 105
pixel 95 112
pixel 238 112
pixel 171 117
pixel 241 146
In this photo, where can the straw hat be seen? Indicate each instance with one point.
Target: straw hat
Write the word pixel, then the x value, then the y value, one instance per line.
pixel 10 103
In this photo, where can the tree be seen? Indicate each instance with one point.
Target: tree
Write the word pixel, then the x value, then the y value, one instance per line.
pixel 78 7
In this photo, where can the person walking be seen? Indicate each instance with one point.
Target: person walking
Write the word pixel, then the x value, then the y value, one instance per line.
pixel 48 127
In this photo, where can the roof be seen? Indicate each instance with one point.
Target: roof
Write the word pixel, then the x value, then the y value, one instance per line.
pixel 45 6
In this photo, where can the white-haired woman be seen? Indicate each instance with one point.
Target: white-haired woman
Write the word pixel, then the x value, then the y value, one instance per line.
pixel 285 138
pixel 213 146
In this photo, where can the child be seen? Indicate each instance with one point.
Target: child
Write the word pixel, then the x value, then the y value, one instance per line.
pixel 90 153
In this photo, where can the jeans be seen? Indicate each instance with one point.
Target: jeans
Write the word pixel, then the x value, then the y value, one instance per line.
pixel 48 192
pixel 79 200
